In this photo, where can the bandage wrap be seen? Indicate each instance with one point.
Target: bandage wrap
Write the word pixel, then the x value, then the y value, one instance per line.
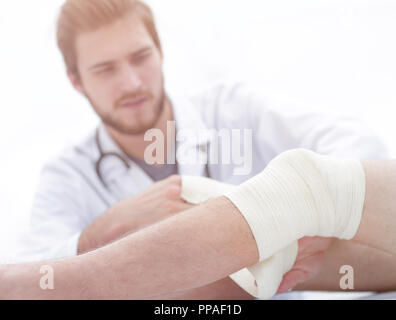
pixel 299 194
pixel 267 274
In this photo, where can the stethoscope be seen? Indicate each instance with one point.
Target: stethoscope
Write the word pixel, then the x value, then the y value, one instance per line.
pixel 105 155
pixel 125 161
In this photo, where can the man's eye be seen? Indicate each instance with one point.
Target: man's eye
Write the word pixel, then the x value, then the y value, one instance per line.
pixel 104 70
pixel 141 58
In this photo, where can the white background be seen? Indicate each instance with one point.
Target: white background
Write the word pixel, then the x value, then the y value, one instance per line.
pixel 331 55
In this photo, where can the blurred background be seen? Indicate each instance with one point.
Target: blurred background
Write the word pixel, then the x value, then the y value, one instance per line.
pixel 328 55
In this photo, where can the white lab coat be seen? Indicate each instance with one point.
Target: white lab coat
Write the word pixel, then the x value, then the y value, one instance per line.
pixel 70 195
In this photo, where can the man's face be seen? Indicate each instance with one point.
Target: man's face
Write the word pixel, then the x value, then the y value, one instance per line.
pixel 120 72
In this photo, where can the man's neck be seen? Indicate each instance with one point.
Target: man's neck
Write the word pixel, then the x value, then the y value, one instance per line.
pixel 134 145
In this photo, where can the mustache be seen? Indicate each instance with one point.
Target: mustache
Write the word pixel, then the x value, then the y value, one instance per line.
pixel 133 96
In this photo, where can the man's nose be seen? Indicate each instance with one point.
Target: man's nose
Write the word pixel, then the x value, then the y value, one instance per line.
pixel 130 79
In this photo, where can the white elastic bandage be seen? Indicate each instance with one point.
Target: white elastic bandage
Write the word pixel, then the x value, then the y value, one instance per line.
pixel 268 274
pixel 299 194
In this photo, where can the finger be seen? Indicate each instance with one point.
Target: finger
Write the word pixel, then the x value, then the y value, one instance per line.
pixel 173 192
pixel 174 180
pixel 291 279
pixel 183 206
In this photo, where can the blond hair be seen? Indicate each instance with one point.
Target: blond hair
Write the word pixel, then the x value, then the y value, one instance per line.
pixel 78 16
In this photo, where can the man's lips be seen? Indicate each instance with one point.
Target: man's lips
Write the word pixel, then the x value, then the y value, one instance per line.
pixel 134 103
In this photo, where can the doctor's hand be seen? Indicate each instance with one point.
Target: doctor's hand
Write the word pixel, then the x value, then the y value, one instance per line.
pixel 158 202
pixel 308 262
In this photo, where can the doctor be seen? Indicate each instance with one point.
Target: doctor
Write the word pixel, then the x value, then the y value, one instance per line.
pixel 102 189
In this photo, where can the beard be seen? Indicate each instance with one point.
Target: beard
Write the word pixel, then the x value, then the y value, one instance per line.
pixel 137 124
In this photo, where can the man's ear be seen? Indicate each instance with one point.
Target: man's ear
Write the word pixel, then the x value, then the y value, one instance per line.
pixel 75 81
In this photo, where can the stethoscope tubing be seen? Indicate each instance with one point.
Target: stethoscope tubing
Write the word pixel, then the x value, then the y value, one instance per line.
pixel 103 155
